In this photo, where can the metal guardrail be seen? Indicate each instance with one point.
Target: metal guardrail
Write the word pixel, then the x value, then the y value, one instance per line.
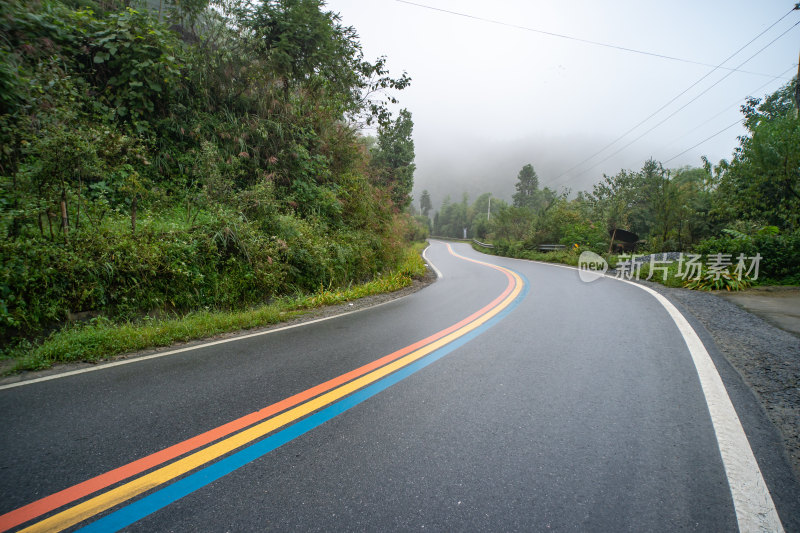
pixel 479 243
pixel 541 247
pixel 454 239
pixel 550 247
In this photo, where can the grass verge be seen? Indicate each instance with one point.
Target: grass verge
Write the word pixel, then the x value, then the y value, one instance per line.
pixel 101 338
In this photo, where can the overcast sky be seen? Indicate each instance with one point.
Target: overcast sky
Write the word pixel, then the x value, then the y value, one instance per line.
pixel 488 98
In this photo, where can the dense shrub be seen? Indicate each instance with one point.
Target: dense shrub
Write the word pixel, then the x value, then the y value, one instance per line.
pixel 220 265
pixel 123 275
pixel 780 254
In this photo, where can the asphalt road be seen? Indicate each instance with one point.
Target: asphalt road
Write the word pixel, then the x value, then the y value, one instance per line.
pixel 560 405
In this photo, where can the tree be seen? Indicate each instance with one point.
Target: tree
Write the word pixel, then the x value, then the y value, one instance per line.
pixel 300 40
pixel 453 218
pixel 425 204
pixel 694 203
pixel 394 158
pixel 611 200
pixel 306 46
pixel 479 214
pixel 512 223
pixel 527 187
pixel 762 182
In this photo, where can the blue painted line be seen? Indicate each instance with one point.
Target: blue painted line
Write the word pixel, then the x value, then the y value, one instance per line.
pixel 135 511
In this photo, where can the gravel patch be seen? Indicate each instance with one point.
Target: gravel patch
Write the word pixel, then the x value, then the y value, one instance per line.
pixel 767 358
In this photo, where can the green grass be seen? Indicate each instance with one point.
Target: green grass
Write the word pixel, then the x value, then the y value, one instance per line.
pixel 101 338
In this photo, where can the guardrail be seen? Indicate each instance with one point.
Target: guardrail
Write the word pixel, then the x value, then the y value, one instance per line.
pixel 540 247
pixel 475 241
pixel 455 239
pixel 551 247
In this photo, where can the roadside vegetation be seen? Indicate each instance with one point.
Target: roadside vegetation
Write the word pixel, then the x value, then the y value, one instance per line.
pixel 746 206
pixel 101 338
pixel 190 159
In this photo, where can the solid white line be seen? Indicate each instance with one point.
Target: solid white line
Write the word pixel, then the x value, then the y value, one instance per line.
pixel 103 366
pixel 425 257
pixel 755 510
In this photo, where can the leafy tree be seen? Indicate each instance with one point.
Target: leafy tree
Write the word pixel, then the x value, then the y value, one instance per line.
pixel 479 220
pixel 394 158
pixel 612 200
pixel 299 39
pixel 304 45
pixel 453 218
pixel 134 65
pixel 513 223
pixel 762 182
pixel 694 203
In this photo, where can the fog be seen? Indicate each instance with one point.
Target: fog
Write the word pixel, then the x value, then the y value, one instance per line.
pixel 488 96
pixel 475 166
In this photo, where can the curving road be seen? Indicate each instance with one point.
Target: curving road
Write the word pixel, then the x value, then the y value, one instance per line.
pixel 509 396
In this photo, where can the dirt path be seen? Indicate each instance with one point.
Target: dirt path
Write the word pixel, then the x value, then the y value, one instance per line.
pixel 780 306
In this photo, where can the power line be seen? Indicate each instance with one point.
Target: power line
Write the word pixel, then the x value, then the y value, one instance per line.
pixel 654 113
pixel 737 102
pixel 668 116
pixel 705 140
pixel 578 39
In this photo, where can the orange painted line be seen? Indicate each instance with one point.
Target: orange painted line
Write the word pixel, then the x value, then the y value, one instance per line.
pixel 76 492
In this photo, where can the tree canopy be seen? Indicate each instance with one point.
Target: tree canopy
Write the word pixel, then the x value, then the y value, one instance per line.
pixel 527 187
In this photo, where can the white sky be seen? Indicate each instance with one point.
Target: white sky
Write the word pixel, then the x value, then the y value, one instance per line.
pixel 487 99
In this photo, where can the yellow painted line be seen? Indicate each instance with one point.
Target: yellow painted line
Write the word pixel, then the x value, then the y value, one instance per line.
pixel 102 502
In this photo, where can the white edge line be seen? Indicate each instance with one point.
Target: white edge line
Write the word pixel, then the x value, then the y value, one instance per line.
pixel 425 257
pixel 755 510
pixel 134 359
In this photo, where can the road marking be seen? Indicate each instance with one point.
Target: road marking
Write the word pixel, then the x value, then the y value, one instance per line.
pixel 755 510
pixel 752 501
pixel 158 500
pixel 425 257
pixel 66 496
pixel 435 346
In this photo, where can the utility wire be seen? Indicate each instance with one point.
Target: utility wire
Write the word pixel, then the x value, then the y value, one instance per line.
pixel 578 39
pixel 667 117
pixel 705 140
pixel 654 113
pixel 737 102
